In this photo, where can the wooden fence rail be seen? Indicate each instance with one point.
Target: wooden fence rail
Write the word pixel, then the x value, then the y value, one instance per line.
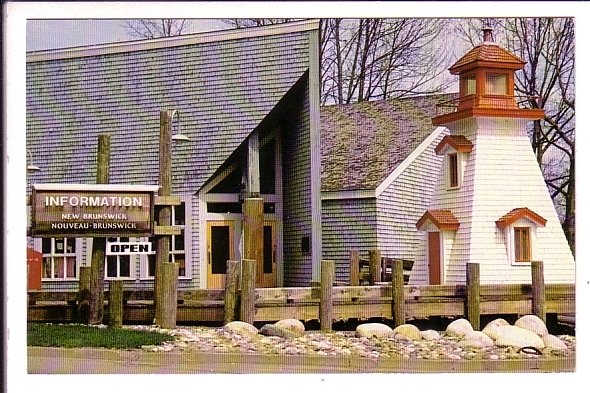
pixel 272 304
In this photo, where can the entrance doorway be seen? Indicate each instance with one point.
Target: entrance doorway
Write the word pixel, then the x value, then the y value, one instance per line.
pixel 220 249
pixel 221 243
pixel 434 258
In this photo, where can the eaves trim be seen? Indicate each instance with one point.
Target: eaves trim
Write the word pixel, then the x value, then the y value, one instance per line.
pixel 168 42
pixel 408 161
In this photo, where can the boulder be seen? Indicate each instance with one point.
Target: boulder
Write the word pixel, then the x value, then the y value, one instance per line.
pixel 292 324
pixel 517 337
pixel 278 331
pixel 554 343
pixel 430 335
pixel 490 328
pixel 459 328
pixel 476 339
pixel 242 328
pixel 407 331
pixel 378 330
pixel 532 323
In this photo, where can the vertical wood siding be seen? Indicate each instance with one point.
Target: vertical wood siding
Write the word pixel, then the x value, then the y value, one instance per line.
pixel 348 224
pixel 296 169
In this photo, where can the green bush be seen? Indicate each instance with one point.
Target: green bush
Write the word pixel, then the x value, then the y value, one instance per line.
pixel 77 336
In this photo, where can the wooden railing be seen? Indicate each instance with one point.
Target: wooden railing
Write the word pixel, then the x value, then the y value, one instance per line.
pixel 345 302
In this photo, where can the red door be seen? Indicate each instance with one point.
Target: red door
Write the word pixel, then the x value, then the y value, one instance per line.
pixel 434 258
pixel 34 269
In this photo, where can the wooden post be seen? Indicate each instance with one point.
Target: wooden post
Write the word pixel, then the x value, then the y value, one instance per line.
pixel 248 294
pixel 162 287
pixel 116 303
pixel 398 301
pixel 84 294
pixel 96 305
pixel 374 266
pixel 326 289
pixel 538 280
pixel 231 291
pixel 354 267
pixel 253 233
pixel 473 310
pixel 168 296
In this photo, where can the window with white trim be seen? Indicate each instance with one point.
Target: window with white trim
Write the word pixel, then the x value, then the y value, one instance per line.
pixel 60 259
pixel 177 247
pixel 118 266
pixel 521 238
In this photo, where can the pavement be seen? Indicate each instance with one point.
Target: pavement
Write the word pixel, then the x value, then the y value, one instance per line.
pixel 44 360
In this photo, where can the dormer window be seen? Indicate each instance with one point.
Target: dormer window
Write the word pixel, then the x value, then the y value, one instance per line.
pixel 496 84
pixel 520 234
pixel 456 149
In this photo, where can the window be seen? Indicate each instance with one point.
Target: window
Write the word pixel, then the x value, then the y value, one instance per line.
pixel 453 170
pixel 177 244
pixel 118 266
pixel 59 258
pixel 469 84
pixel 496 84
pixel 522 244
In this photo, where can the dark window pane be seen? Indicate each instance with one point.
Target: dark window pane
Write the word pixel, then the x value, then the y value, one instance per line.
pixel 59 246
pixel 224 207
pixel 220 251
pixel 151 265
pixel 179 243
pixel 70 245
pixel 269 207
pixel 111 266
pixel 124 266
pixel 179 213
pixel 46 246
pixel 267 249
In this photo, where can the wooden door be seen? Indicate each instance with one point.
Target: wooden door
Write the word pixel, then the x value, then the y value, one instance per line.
pixel 434 258
pixel 267 273
pixel 220 249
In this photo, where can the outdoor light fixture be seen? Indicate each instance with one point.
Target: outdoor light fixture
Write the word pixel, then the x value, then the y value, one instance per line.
pixel 32 167
pixel 178 137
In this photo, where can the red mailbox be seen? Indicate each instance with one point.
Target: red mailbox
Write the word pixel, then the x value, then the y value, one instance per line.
pixel 34 259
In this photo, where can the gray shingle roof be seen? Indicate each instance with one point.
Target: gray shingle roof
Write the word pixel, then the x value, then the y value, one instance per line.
pixel 363 143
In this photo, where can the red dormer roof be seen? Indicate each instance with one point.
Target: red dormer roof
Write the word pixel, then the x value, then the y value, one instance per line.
pixel 487 54
pixel 518 213
pixel 442 219
pixel 457 142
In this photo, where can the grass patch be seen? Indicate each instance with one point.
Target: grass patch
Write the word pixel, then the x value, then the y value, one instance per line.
pixel 78 336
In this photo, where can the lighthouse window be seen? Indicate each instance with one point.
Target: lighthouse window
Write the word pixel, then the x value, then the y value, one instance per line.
pixel 522 244
pixel 453 170
pixel 469 84
pixel 496 84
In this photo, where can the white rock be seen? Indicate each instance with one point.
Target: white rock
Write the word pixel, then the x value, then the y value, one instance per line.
pixel 242 328
pixel 459 328
pixel 431 335
pixel 553 342
pixel 292 324
pixel 532 323
pixel 476 339
pixel 378 330
pixel 514 336
pixel 407 331
pixel 490 328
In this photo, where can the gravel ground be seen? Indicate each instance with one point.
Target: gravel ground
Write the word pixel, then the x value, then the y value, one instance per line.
pixel 338 343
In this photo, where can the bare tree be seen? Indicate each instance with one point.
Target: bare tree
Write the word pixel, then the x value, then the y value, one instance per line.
pixel 252 22
pixel 156 28
pixel 368 59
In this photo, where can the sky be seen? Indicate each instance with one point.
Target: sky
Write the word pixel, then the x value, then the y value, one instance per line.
pixel 37 26
pixel 65 33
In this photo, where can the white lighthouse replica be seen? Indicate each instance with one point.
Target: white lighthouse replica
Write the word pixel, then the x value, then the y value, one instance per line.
pixel 491 205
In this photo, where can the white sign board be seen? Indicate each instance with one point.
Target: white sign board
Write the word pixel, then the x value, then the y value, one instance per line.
pixel 128 248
